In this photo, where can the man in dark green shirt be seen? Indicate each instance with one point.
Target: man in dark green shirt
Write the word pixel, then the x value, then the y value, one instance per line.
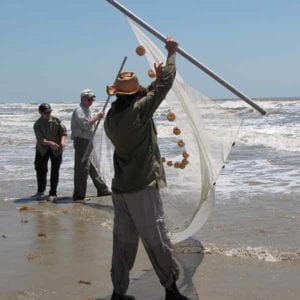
pixel 50 142
pixel 138 176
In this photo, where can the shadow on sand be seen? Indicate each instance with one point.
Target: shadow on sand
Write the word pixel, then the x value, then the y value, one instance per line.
pixel 102 206
pixel 58 200
pixel 147 286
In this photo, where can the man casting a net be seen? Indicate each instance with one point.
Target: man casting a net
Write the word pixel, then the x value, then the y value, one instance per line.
pixel 138 176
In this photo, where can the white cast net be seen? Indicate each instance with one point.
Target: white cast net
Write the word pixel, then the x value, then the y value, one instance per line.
pixel 194 148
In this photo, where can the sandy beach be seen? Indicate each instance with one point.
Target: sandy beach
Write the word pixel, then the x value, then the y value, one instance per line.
pixel 63 251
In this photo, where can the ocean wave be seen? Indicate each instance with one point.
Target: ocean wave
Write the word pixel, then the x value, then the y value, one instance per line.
pixel 66 110
pixel 259 253
pixel 16 142
pixel 285 141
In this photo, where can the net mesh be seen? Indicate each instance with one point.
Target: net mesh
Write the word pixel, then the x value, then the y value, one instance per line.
pixel 194 147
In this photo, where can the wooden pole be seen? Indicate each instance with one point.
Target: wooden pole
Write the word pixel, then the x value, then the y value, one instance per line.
pixel 191 59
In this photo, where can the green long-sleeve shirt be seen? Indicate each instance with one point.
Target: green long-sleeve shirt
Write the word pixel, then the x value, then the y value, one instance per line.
pixel 130 127
pixel 51 130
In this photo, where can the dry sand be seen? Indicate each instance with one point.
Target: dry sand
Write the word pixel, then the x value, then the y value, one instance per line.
pixel 63 251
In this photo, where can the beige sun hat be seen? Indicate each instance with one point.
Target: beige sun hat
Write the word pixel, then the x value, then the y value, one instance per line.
pixel 126 84
pixel 87 94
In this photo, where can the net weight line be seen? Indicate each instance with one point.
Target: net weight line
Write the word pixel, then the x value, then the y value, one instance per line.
pixel 191 59
pixel 85 155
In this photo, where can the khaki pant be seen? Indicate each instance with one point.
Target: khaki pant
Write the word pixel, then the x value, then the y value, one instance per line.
pixel 83 169
pixel 140 214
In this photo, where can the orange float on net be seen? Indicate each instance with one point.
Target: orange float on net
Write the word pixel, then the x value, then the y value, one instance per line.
pixel 176 165
pixel 185 154
pixel 140 50
pixel 181 143
pixel 151 73
pixel 170 163
pixel 182 165
pixel 185 161
pixel 176 131
pixel 171 116
pixel 163 159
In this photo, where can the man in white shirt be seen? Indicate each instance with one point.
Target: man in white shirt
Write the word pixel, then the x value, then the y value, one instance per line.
pixel 82 126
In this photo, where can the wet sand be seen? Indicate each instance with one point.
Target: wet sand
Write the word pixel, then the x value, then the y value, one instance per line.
pixel 63 251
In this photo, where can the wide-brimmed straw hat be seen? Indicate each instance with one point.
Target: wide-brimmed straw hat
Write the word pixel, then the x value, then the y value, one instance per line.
pixel 126 84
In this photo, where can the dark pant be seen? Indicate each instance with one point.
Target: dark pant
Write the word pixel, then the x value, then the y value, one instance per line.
pixel 41 167
pixel 84 168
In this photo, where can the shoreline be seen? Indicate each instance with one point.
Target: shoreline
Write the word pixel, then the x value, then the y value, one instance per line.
pixel 63 251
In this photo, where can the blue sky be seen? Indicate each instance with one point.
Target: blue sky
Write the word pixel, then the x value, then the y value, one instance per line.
pixel 51 50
